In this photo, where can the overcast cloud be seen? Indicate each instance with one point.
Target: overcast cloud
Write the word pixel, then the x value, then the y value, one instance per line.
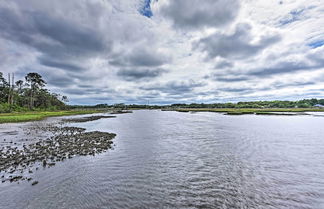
pixel 167 51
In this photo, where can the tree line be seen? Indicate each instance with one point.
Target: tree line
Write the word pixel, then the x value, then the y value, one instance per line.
pixel 28 94
pixel 305 103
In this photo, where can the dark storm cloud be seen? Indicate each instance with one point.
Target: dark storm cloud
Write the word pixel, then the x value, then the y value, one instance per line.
pixel 57 78
pixel 282 68
pixel 88 91
pixel 139 57
pixel 14 27
pixel 224 64
pixel 317 57
pixel 90 100
pixel 313 62
pixel 53 36
pixel 76 39
pixel 84 86
pixel 60 65
pixel 228 75
pixel 194 14
pixel 174 87
pixel 279 85
pixel 230 78
pixel 238 45
pixel 62 78
pixel 236 90
pixel 134 74
pixel 244 90
pixel 60 81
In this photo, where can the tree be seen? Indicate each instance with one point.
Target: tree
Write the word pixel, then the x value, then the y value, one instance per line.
pixel 65 99
pixel 19 95
pixel 19 84
pixel 35 81
pixel 3 88
pixel 2 80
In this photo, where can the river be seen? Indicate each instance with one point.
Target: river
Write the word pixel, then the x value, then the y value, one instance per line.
pixel 166 159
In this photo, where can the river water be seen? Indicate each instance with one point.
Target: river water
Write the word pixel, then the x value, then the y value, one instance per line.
pixel 183 160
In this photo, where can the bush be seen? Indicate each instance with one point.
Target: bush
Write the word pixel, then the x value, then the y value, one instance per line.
pixel 5 108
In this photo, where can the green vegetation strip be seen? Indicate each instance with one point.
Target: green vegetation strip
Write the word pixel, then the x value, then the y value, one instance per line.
pixel 241 111
pixel 32 116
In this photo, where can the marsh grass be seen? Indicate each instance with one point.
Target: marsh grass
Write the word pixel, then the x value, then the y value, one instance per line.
pixel 242 111
pixel 32 116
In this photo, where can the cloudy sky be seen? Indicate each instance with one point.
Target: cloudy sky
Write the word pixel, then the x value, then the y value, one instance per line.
pixel 167 51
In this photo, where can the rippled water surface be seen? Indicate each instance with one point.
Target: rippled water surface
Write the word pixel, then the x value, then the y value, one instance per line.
pixel 182 160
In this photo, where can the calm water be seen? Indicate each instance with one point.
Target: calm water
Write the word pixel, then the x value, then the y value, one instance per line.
pixel 183 160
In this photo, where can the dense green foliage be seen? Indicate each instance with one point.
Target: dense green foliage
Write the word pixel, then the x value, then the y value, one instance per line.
pixel 305 103
pixel 28 95
pixel 118 106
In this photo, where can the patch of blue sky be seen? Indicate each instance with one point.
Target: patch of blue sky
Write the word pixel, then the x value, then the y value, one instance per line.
pixel 146 9
pixel 316 44
pixel 292 17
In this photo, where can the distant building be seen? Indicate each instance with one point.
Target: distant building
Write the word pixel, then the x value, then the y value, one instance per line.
pixel 319 106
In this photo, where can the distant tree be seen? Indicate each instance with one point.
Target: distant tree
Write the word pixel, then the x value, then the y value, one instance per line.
pixel 2 79
pixel 65 99
pixel 35 81
pixel 19 95
pixel 3 89
pixel 19 85
pixel 313 102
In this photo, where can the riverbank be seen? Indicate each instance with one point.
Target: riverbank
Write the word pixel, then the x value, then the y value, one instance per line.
pixel 45 144
pixel 33 116
pixel 258 111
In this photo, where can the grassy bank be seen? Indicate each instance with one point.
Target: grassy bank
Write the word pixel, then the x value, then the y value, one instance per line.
pixel 32 116
pixel 237 111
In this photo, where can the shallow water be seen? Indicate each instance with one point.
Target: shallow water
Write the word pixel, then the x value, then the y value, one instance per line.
pixel 182 160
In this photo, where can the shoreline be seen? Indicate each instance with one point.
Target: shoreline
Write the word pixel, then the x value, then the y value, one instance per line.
pixel 18 117
pixel 252 111
pixel 44 144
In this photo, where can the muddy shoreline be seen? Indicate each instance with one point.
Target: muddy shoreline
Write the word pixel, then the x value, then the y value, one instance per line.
pixel 26 149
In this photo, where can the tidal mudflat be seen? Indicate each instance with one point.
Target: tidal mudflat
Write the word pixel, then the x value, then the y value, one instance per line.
pixel 55 142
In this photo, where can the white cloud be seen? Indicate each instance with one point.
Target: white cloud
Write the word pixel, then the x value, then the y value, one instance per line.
pixel 112 53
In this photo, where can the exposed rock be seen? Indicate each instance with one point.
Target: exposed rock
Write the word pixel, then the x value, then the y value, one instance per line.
pixel 34 183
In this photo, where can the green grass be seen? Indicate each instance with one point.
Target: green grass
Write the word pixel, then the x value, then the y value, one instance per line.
pixel 241 111
pixel 32 116
pixel 281 113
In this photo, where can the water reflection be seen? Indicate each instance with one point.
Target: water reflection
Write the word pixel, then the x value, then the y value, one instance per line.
pixel 183 160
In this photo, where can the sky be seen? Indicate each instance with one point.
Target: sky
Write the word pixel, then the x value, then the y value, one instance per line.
pixel 167 51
